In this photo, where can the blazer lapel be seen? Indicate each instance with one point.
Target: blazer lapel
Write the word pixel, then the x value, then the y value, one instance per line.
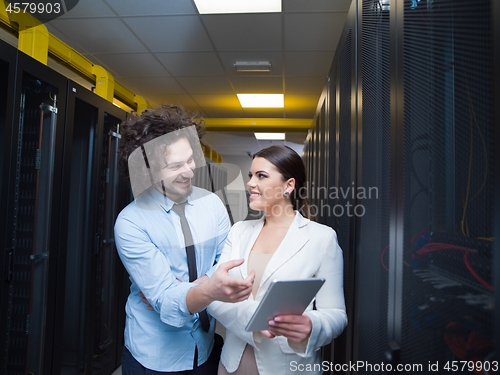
pixel 294 240
pixel 246 243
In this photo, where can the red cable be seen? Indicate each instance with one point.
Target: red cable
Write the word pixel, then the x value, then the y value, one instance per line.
pixel 436 246
pixel 474 272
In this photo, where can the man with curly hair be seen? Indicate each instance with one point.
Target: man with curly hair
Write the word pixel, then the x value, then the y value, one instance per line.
pixel 159 151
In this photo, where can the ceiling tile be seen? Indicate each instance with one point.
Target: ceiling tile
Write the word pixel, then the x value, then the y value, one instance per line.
pixel 229 58
pixel 156 85
pixel 306 31
pixel 305 63
pixel 206 85
pixel 89 34
pixel 90 8
pixel 258 85
pixel 316 5
pixel 304 112
pixel 217 101
pixel 301 101
pixel 241 32
pixel 58 34
pixel 191 63
pixel 301 106
pixel 151 7
pixel 133 64
pixel 170 34
pixel 185 101
pixel 304 85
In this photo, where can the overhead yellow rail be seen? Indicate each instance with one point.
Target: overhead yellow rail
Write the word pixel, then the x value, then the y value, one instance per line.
pixel 258 124
pixel 37 42
pixel 211 154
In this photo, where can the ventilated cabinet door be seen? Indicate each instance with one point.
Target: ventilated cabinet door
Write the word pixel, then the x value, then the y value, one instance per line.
pixel 447 295
pixel 32 233
pixel 83 117
pixel 106 263
pixel 373 191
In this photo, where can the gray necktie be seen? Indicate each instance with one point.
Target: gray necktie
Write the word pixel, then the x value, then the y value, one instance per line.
pixel 191 257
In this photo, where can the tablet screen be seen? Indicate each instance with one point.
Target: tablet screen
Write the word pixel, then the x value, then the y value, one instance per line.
pixel 282 298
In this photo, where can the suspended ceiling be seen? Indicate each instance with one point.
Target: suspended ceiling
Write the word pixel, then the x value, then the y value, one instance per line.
pixel 166 52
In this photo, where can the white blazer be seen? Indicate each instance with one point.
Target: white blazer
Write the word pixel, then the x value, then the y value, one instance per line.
pixel 309 250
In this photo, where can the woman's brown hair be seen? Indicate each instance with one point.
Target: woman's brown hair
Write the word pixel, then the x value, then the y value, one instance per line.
pixel 290 165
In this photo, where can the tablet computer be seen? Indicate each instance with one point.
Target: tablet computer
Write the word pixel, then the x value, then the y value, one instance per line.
pixel 282 298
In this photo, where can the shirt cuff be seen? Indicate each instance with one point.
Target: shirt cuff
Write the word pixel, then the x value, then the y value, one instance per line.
pixel 211 271
pixel 173 308
pixel 298 347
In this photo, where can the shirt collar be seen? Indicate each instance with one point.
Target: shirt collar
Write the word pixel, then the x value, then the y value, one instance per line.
pixel 165 202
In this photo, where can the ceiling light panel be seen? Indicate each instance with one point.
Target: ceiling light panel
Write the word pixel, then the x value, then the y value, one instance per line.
pixel 256 66
pixel 238 6
pixel 270 136
pixel 261 100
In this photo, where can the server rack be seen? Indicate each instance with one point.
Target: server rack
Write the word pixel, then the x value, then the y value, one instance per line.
pixel 448 192
pixel 8 64
pixel 213 177
pixel 81 163
pixel 63 288
pixel 92 309
pixel 31 186
pixel 412 109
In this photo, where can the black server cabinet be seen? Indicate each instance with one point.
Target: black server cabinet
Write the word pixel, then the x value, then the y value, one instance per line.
pixel 8 66
pixel 373 186
pixel 343 202
pixel 31 188
pixel 110 277
pixel 447 295
pixel 414 95
pixel 81 164
pixel 93 308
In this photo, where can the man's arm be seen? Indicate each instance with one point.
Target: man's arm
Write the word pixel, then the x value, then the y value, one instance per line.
pixel 151 270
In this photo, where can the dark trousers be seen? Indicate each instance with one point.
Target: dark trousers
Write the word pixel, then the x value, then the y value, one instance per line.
pixel 130 366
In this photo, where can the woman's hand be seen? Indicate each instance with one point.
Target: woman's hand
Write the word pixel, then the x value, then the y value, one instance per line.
pixel 296 328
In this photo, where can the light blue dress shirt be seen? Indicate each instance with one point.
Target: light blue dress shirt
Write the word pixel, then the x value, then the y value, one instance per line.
pixel 150 243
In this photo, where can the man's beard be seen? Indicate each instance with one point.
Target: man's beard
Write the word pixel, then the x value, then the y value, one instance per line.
pixel 176 192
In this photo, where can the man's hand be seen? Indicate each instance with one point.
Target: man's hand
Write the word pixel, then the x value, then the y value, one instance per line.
pixel 220 287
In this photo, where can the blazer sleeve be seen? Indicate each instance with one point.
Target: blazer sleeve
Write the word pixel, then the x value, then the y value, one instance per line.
pixel 234 316
pixel 330 318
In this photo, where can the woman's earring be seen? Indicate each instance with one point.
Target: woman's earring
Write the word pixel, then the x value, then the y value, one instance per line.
pixel 287 193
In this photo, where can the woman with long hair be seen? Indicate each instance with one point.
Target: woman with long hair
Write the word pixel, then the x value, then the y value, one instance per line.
pixel 285 244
